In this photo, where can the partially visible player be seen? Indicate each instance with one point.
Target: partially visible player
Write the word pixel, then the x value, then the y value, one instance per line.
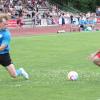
pixel 95 57
pixel 5 59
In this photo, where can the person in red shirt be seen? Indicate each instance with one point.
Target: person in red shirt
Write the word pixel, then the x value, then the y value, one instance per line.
pixel 95 57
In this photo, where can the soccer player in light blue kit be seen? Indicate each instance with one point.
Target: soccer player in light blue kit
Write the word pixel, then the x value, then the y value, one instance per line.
pixel 5 59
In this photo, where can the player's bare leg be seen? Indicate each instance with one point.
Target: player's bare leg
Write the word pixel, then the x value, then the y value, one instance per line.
pixel 19 72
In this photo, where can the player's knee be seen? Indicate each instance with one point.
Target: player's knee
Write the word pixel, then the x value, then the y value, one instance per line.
pixel 13 75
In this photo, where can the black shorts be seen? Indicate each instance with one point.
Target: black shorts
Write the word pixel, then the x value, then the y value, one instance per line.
pixel 5 59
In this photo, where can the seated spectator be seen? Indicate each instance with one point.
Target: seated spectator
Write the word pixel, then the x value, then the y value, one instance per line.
pixel 49 20
pixel 98 11
pixel 75 21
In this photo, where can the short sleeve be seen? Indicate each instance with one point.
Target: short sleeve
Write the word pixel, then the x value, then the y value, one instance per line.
pixel 6 38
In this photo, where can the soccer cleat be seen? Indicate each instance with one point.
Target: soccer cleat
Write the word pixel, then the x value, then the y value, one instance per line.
pixel 24 73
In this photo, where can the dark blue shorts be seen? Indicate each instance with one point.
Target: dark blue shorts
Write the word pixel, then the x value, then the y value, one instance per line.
pixel 5 59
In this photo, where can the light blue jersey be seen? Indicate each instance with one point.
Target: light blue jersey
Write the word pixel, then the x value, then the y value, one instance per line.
pixel 5 38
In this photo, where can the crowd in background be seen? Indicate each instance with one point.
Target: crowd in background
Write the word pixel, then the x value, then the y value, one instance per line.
pixel 84 21
pixel 52 14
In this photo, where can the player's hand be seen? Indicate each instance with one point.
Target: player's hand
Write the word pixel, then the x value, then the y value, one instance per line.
pixel 91 57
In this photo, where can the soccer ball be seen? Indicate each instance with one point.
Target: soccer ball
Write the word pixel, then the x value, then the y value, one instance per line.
pixel 72 75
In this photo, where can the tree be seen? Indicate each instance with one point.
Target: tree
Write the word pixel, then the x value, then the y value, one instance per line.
pixel 82 5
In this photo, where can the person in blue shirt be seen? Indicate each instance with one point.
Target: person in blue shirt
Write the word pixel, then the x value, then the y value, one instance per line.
pixel 5 59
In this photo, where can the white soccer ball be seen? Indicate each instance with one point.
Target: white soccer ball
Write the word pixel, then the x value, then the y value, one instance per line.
pixel 72 75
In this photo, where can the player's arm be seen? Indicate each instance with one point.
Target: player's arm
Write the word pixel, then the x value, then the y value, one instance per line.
pixel 2 47
pixel 91 57
pixel 5 42
pixel 96 52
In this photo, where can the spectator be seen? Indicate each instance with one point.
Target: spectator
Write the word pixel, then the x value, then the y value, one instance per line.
pixel 98 11
pixel 62 19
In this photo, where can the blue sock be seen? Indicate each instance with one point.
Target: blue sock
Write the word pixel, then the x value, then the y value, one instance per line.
pixel 18 72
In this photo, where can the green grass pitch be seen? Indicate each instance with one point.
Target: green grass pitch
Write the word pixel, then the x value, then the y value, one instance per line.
pixel 48 59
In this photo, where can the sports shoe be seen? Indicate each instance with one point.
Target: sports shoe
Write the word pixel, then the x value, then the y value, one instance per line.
pixel 24 73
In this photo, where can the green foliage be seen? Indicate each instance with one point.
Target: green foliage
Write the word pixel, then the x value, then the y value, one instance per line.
pixel 82 5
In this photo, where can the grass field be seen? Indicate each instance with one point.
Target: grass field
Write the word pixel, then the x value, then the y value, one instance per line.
pixel 48 59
